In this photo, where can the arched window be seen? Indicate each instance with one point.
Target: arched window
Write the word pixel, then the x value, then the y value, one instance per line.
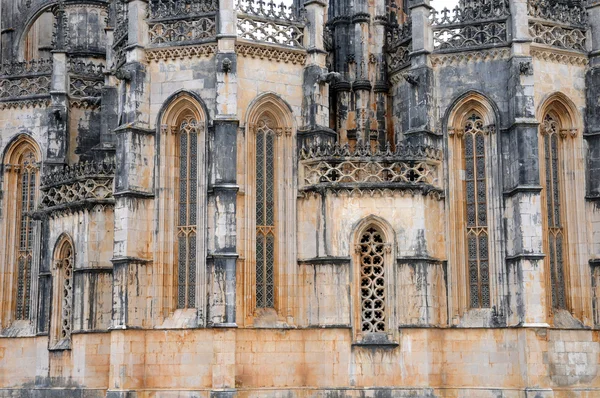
pixel 21 181
pixel 181 213
pixel 476 210
pixel 38 41
pixel 371 249
pixel 62 302
pixel 474 206
pixel 269 247
pixel 551 161
pixel 265 213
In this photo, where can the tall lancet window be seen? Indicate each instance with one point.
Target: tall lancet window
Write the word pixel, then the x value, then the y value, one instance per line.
pixel 265 214
pixel 62 306
pixel 555 234
pixel 371 249
pixel 187 208
pixel 27 180
pixel 476 208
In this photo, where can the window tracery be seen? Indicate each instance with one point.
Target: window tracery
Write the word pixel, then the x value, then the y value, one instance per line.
pixel 371 249
pixel 476 206
pixel 265 214
pixel 187 213
pixel 27 181
pixel 64 267
pixel 555 234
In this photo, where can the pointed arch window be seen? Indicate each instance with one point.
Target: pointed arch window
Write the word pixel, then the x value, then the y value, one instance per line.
pixel 62 318
pixel 265 214
pixel 372 248
pixel 476 210
pixel 555 233
pixel 187 212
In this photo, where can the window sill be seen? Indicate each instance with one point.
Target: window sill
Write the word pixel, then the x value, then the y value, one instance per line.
pixel 376 340
pixel 63 345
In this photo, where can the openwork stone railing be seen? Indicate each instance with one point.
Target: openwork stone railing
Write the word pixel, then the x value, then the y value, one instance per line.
pixel 343 168
pixel 270 23
pixel 558 25
pixel 85 78
pixel 480 24
pixel 25 79
pixel 77 186
pixel 177 22
pixel 399 46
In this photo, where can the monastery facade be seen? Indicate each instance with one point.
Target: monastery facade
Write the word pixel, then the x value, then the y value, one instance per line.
pixel 353 198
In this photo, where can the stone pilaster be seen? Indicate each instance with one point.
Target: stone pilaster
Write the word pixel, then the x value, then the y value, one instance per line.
pixel 592 137
pixel 592 128
pixel 223 188
pixel 522 189
pixel 420 78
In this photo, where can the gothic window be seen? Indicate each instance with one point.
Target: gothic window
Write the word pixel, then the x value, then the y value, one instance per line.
pixel 371 249
pixel 63 294
pixel 555 234
pixel 265 214
pixel 186 214
pixel 476 207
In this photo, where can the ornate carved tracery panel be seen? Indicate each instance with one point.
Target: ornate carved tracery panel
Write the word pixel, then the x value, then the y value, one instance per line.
pixel 265 214
pixel 27 180
pixel 555 233
pixel 372 249
pixel 187 209
pixel 476 206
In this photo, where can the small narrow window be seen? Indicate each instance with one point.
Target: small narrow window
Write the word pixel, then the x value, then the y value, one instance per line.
pixel 476 211
pixel 27 180
pixel 62 303
pixel 555 234
pixel 372 281
pixel 187 198
pixel 265 214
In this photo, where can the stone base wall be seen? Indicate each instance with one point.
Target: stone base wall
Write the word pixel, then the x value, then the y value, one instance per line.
pixel 519 362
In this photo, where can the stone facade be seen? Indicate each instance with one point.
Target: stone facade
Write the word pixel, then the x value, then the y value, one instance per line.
pixel 352 198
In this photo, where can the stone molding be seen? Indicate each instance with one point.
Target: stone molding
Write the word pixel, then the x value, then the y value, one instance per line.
pixel 173 53
pixel 270 53
pixel 559 57
pixel 471 56
pixel 383 192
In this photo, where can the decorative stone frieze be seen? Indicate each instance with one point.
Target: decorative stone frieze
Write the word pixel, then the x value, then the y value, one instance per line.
pixel 173 53
pixel 558 36
pixel 252 50
pixel 559 57
pixel 472 56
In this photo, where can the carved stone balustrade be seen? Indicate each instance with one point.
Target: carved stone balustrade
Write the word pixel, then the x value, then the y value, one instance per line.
pixel 82 185
pixel 481 24
pixel 558 24
pixel 174 22
pixel 25 81
pixel 411 168
pixel 399 46
pixel 270 23
pixel 85 78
